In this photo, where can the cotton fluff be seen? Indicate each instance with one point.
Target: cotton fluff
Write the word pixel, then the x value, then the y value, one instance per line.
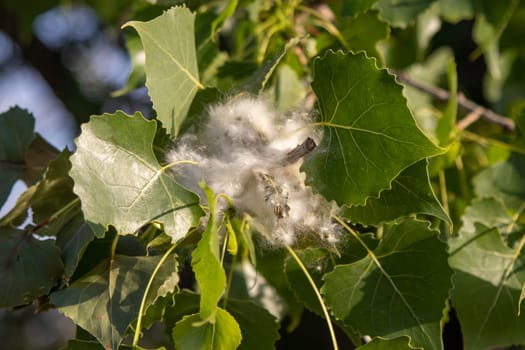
pixel 243 150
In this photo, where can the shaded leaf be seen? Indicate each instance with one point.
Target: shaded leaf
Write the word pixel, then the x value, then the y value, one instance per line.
pixel 401 13
pixel 504 181
pixel 364 32
pixel 107 299
pixel 315 261
pixel 38 155
pixel 260 330
pixel 400 288
pixel 29 267
pixel 401 343
pixel 411 193
pixel 226 13
pixel 121 183
pixel 257 81
pixel 369 133
pixel 172 75
pixel 53 193
pixel 488 279
pixel 73 240
pixel 16 134
pixel 319 262
pixel 258 327
pixel 81 344
pixel 353 8
pixel 193 334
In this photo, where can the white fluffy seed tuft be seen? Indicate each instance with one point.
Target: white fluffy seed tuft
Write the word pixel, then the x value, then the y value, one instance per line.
pixel 243 151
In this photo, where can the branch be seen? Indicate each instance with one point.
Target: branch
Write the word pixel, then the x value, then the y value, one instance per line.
pixel 463 102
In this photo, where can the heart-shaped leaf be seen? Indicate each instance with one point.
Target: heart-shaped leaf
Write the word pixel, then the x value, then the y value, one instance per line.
pixel 107 299
pixel 120 181
pixel 369 134
pixel 399 288
pixel 172 74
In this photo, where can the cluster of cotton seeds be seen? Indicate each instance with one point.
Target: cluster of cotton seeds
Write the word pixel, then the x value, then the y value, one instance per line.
pixel 253 154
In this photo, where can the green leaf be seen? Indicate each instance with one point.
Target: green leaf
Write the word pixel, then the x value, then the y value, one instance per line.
pixel 488 276
pixel 82 344
pixel 488 281
pixel 16 134
pixel 137 56
pixel 504 181
pixel 107 299
pixel 456 10
pixel 52 194
pixel 401 343
pixel 364 32
pixel 121 183
pixel 370 135
pixel 55 190
pixel 491 213
pixel 260 330
pixel 446 127
pixel 429 72
pixel 226 13
pixel 353 8
pixel 172 74
pixel 29 267
pixel 315 261
pixel 290 90
pixel 257 81
pixel 399 288
pixel 411 193
pixel 73 240
pixel 207 266
pixel 401 13
pixel 192 334
pixel 319 262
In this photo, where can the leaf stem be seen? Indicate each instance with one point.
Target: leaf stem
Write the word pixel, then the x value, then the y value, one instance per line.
pixel 178 162
pixel 317 294
pixel 146 292
pixel 114 245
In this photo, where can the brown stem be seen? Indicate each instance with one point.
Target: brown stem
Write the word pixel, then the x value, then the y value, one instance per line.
pixel 463 102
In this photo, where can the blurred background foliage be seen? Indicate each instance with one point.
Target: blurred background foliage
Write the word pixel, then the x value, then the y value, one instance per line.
pixel 66 60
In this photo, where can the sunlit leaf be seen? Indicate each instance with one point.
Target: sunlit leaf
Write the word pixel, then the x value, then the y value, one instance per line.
pixel 369 134
pixel 107 299
pixel 207 266
pixel 399 288
pixel 193 334
pixel 121 183
pixel 172 75
pixel 29 267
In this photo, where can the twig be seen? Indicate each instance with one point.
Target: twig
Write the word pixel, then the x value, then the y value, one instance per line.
pixel 463 102
pixel 470 119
